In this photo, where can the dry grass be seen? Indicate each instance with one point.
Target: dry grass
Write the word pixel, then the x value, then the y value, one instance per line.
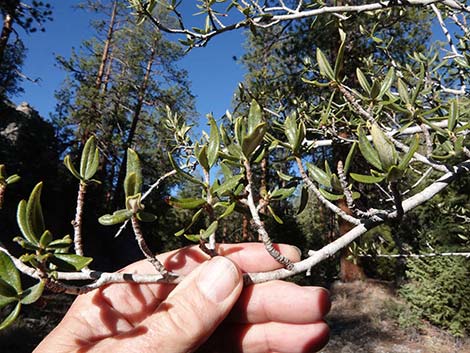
pixel 363 320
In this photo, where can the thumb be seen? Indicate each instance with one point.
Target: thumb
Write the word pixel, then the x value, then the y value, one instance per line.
pixel 195 308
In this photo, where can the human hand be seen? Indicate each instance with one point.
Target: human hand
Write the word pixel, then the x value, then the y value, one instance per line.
pixel 209 309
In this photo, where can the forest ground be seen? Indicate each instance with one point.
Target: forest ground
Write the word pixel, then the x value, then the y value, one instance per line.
pixel 363 319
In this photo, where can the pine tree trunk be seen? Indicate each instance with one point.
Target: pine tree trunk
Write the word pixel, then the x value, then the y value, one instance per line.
pixel 5 35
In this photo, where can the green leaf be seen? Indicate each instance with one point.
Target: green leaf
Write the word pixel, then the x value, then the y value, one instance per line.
pixel 187 203
pixel 146 216
pixel 386 150
pixel 254 116
pixel 11 317
pixel 324 65
pixel 363 81
pixel 90 159
pixel 275 216
pixel 253 140
pixel 394 174
pixel 407 157
pixel 60 243
pixel 130 185
pixel 22 221
pixel 6 290
pixel 228 211
pixel 12 179
pixel 339 60
pixel 387 83
pixel 201 155
pixel 329 196
pixel 283 176
pixel 45 239
pixel 375 89
pixel 319 175
pixel 75 262
pixel 303 200
pixel 453 115
pixel 209 231
pixel 349 158
pixel 228 185
pixel 281 194
pixel 133 167
pixel 193 237
pixel 367 179
pixel 87 153
pixel 367 151
pixel 119 216
pixel 33 293
pixel 4 301
pixel 9 273
pixel 184 174
pixel 290 129
pixel 403 91
pixel 34 217
pixel 214 142
pixel 93 165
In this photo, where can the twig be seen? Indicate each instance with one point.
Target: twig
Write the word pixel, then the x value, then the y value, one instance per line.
pixel 268 244
pixel 328 204
pixel 464 254
pixel 77 222
pixel 145 249
pixel 147 193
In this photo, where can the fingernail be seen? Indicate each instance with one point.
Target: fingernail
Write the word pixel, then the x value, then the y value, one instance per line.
pixel 298 250
pixel 218 278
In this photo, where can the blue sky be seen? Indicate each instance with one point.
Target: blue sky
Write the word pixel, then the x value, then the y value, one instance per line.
pixel 214 75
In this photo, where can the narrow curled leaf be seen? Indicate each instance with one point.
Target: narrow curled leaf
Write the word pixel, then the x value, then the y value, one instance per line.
pixel 34 217
pixel 228 185
pixel 68 163
pixel 363 81
pixel 228 211
pixel 182 173
pixel 275 216
pixel 403 91
pixel 303 200
pixel 146 216
pixel 12 179
pixel 254 116
pixel 87 155
pixel 186 203
pixel 324 65
pixel 133 167
pixel 281 194
pixel 453 115
pixel 386 150
pixel 209 231
pixel 387 82
pixel 9 273
pixel 11 317
pixel 214 142
pixel 349 158
pixel 22 221
pixel 45 239
pixel 329 196
pixel 74 262
pixel 92 165
pixel 6 290
pixel 33 293
pixel 117 217
pixel 319 175
pixel 339 59
pixel 407 158
pixel 367 151
pixel 201 155
pixel 130 185
pixel 253 140
pixel 290 129
pixel 367 179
